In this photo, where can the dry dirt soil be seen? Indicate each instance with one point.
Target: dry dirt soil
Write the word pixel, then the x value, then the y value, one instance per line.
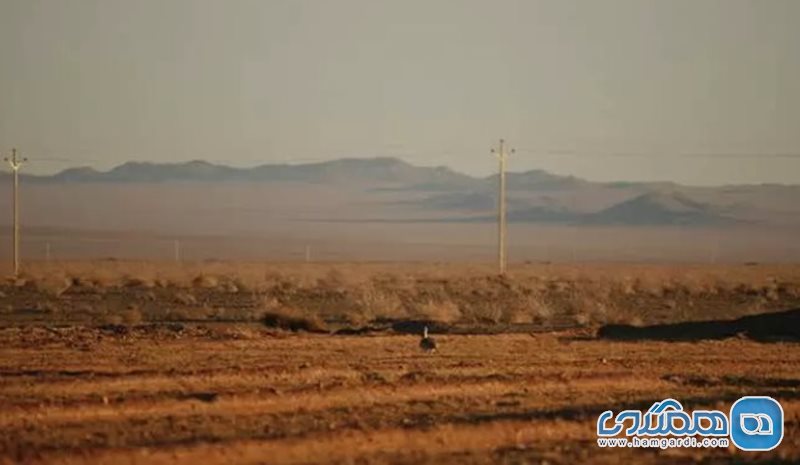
pixel 243 394
pixel 149 362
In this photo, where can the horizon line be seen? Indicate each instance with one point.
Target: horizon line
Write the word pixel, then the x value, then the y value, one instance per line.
pixel 310 162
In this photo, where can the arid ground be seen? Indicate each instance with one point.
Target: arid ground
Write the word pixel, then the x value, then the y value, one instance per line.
pixel 115 362
pixel 239 395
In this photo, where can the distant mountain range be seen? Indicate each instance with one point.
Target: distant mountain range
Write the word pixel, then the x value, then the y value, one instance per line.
pixel 385 172
pixel 382 171
pixel 534 196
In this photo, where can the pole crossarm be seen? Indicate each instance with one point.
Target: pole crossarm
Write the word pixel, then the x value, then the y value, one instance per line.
pixel 14 162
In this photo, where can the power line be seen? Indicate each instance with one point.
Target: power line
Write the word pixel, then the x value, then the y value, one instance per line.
pixel 652 155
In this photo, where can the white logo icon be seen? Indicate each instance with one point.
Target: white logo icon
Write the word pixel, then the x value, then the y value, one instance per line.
pixel 763 421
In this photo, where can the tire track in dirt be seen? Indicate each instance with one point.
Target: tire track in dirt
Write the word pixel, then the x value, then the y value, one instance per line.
pixel 335 447
pixel 486 406
pixel 358 389
pixel 346 396
pixel 30 393
pixel 552 439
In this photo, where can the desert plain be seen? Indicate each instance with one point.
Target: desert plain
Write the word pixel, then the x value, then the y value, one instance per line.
pixel 245 362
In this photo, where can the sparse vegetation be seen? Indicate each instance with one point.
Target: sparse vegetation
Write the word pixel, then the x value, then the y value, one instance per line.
pixel 359 295
pixel 270 373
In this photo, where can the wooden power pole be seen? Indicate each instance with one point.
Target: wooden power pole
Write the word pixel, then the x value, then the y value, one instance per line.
pixel 16 164
pixel 502 156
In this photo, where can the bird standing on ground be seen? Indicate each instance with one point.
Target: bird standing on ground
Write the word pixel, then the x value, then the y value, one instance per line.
pixel 428 344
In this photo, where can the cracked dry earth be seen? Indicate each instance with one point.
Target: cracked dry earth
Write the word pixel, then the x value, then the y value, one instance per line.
pixel 239 395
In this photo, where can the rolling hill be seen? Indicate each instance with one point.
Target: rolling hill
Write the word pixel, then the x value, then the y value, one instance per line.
pixel 659 208
pixel 394 189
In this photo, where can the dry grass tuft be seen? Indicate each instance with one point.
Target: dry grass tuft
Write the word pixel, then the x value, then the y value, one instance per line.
pixel 292 319
pixel 520 317
pixel 374 303
pixel 442 311
pixel 131 316
pixel 54 285
pixel 138 282
pixel 205 281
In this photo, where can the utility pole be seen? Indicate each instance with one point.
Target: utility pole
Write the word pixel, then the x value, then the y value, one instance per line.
pixel 714 250
pixel 502 156
pixel 16 164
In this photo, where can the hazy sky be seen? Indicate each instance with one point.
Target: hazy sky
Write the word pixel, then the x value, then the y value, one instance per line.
pixel 570 83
